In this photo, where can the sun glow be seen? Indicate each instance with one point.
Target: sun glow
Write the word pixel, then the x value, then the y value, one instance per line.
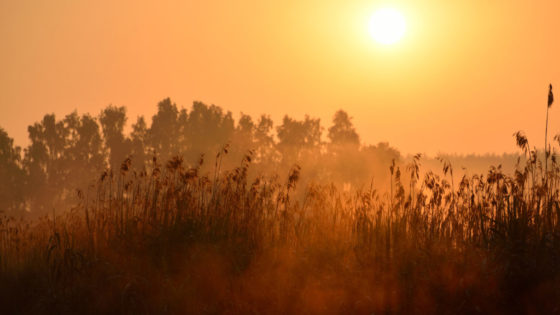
pixel 387 26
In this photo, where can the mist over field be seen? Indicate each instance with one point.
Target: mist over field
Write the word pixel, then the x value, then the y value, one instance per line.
pixel 195 212
pixel 364 157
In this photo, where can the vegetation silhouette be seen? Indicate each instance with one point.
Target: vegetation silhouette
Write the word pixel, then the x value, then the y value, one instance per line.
pixel 68 154
pixel 199 213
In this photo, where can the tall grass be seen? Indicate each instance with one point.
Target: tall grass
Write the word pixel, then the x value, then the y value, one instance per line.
pixel 171 240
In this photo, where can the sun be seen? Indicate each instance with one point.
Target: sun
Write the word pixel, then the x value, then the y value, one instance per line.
pixel 387 26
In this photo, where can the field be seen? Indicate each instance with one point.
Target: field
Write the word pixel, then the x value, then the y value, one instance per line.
pixel 171 240
pixel 279 157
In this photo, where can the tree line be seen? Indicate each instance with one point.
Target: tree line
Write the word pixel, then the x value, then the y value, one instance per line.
pixel 69 154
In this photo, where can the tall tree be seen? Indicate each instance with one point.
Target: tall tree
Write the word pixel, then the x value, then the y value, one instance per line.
pixel 44 162
pixel 163 135
pixel 342 132
pixel 343 146
pixel 12 176
pixel 63 156
pixel 84 155
pixel 243 138
pixel 113 120
pixel 264 141
pixel 299 137
pixel 208 129
pixel 138 138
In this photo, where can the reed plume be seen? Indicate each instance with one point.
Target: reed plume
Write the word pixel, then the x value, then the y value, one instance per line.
pixel 546 149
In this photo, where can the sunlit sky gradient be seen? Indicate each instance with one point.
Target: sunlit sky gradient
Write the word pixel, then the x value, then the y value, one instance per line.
pixel 466 75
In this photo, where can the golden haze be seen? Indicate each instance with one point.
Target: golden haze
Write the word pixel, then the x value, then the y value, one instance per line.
pixel 466 75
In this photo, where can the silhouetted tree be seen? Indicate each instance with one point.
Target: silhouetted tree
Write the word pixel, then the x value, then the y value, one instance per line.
pixel 298 137
pixel 45 164
pixel 379 157
pixel 182 132
pixel 243 138
pixel 246 128
pixel 343 146
pixel 138 138
pixel 63 156
pixel 342 132
pixel 112 121
pixel 84 156
pixel 163 135
pixel 12 176
pixel 208 129
pixel 384 152
pixel 264 141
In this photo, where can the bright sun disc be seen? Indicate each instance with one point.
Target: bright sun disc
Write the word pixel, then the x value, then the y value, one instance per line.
pixel 387 26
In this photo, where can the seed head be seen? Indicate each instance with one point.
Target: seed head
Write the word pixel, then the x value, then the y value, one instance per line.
pixel 550 95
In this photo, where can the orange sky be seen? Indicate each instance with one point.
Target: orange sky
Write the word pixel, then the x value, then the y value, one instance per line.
pixel 466 75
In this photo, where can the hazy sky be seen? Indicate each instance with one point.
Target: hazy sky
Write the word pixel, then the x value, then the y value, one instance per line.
pixel 466 75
